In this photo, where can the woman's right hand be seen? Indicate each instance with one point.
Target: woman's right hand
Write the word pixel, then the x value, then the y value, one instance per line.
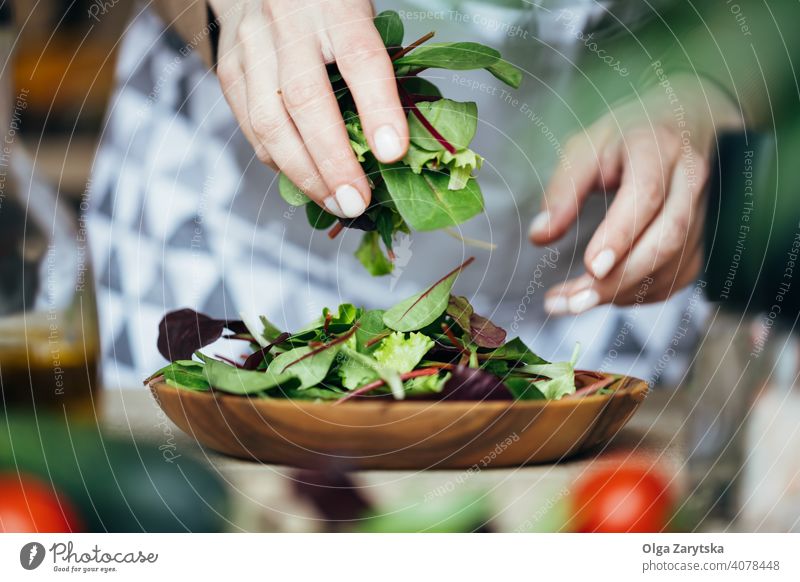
pixel 271 66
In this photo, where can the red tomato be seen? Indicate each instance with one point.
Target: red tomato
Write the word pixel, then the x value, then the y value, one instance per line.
pixel 27 505
pixel 624 497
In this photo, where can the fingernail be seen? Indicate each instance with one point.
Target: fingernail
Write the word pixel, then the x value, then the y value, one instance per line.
pixel 333 207
pixel 557 305
pixel 350 201
pixel 387 143
pixel 583 301
pixel 540 224
pixel 603 263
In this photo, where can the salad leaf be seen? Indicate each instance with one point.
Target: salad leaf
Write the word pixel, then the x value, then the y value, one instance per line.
pixel 303 363
pixel 439 191
pixel 181 333
pixel 370 329
pixel 370 255
pixel 454 56
pixel 226 378
pixel 425 200
pixel 561 374
pixel 402 353
pixel 390 27
pixel 523 389
pixel 474 384
pixel 456 122
pixel 424 308
pixel 291 193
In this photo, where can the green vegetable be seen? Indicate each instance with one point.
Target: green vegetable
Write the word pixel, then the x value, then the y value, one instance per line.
pixel 432 187
pixel 424 308
pixel 431 345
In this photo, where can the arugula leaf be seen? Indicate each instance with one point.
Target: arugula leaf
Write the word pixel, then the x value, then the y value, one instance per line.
pixel 457 122
pixel 454 56
pixel 390 27
pixel 370 255
pixel 424 308
pixel 424 200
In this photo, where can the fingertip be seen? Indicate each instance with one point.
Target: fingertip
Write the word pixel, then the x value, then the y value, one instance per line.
pixel 388 144
pixel 348 201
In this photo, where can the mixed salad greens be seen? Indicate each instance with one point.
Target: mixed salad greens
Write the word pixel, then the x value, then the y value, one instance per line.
pixel 432 187
pixel 432 345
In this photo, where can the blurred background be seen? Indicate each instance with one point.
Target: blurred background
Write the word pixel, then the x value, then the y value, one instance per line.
pixel 725 444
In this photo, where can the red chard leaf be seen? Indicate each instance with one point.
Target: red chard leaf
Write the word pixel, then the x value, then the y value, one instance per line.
pixel 181 333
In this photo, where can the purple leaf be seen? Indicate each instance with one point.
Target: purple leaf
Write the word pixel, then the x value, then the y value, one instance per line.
pixel 474 384
pixel 254 360
pixel 181 333
pixel 484 333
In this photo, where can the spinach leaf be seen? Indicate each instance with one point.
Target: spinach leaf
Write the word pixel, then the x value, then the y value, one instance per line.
pixel 309 369
pixel 317 217
pixel 516 351
pixel 506 72
pixel 390 27
pixel 424 308
pixel 370 255
pixel 424 200
pixel 226 378
pixel 454 56
pixel 523 389
pixel 186 374
pixel 291 193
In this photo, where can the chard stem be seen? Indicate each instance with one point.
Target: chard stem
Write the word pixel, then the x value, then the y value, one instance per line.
pixel 408 102
pixel 403 52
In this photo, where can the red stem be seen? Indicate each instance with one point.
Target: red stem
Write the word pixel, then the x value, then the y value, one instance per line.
pixel 407 376
pixel 448 331
pixel 335 230
pixel 323 347
pixel 463 265
pixel 412 46
pixel 408 102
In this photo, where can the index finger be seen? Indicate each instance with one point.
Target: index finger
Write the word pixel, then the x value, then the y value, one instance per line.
pixel 368 71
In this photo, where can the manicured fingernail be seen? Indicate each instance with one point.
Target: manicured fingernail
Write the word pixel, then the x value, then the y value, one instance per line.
pixel 332 207
pixel 557 305
pixel 583 301
pixel 540 224
pixel 603 263
pixel 387 143
pixel 350 201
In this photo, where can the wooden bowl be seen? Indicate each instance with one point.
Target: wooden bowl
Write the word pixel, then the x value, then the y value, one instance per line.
pixel 383 434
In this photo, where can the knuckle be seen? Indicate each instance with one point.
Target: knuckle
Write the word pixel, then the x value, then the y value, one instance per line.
pixel 228 72
pixel 301 93
pixel 356 52
pixel 268 128
pixel 246 30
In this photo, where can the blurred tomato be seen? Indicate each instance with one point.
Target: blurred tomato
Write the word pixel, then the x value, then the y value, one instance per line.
pixel 27 505
pixel 630 496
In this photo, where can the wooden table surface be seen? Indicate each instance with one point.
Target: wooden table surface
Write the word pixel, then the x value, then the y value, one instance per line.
pixel 522 499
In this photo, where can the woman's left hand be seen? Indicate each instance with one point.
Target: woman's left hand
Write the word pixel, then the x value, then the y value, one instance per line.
pixel 656 152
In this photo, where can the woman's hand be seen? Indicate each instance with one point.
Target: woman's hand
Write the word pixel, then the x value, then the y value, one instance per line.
pixel 271 65
pixel 656 152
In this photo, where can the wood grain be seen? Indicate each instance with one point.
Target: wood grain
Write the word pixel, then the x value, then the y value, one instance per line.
pixel 400 435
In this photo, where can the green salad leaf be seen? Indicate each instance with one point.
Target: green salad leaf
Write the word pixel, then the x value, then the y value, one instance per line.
pixel 432 345
pixel 433 186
